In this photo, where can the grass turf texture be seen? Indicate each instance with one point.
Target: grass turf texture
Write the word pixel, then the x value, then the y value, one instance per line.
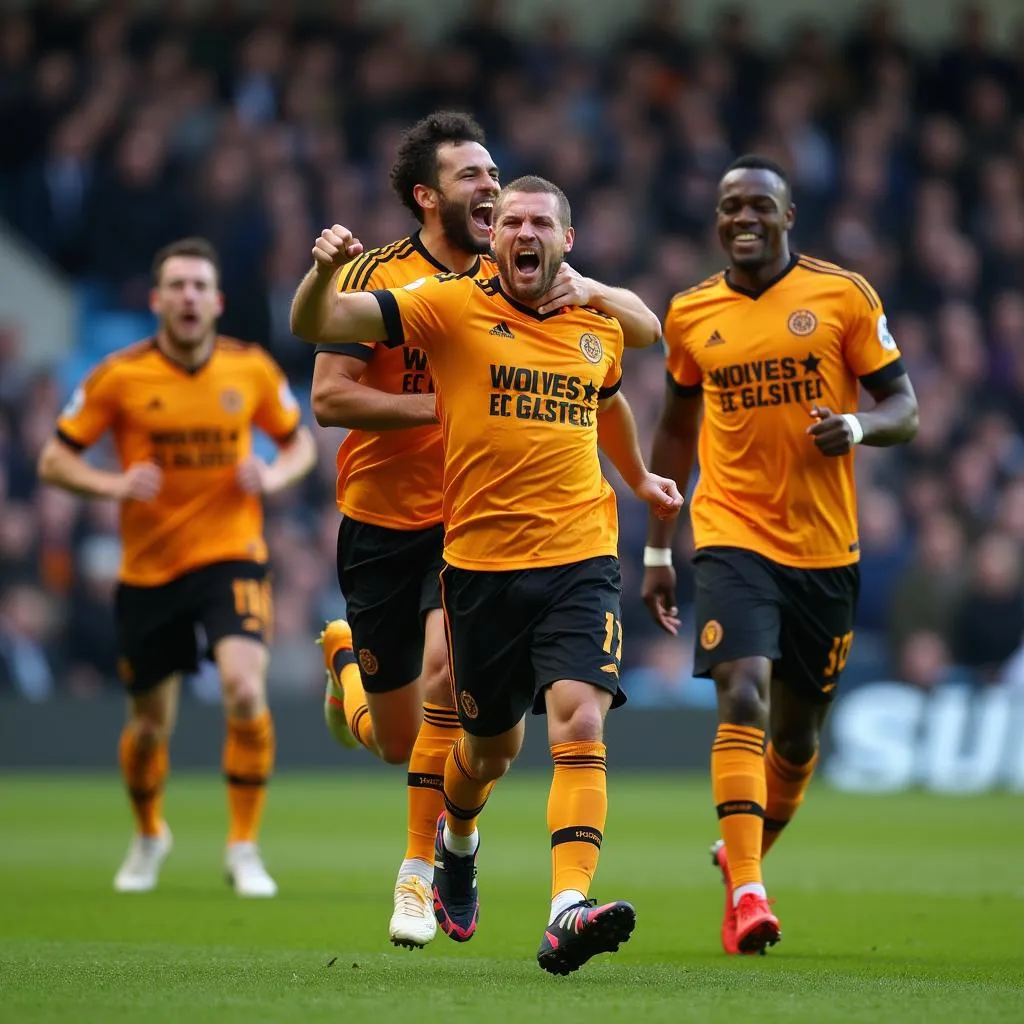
pixel 900 908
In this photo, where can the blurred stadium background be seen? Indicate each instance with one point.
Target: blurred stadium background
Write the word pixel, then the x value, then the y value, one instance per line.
pixel 124 125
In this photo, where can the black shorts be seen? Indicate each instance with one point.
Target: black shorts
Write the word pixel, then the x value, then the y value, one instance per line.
pixel 389 581
pixel 512 634
pixel 157 626
pixel 802 619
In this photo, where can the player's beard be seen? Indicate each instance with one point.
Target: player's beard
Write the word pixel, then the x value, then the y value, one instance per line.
pixel 541 285
pixel 455 225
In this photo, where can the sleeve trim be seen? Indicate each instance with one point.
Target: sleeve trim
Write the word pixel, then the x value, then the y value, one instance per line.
pixel 67 439
pixel 612 389
pixel 683 390
pixel 354 348
pixel 392 317
pixel 886 375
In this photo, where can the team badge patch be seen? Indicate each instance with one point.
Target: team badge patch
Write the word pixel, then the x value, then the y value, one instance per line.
pixel 885 338
pixel 469 708
pixel 231 400
pixel 590 346
pixel 711 635
pixel 802 322
pixel 368 662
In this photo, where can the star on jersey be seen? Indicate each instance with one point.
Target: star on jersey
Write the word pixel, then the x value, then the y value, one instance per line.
pixel 589 391
pixel 810 364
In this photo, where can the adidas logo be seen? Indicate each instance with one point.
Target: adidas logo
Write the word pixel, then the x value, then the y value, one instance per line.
pixel 715 339
pixel 501 330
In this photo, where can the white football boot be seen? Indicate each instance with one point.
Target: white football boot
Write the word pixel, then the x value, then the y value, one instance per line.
pixel 413 924
pixel 246 872
pixel 141 868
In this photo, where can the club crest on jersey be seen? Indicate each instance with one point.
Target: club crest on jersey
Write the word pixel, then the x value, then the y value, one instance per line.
pixel 802 322
pixel 711 635
pixel 469 706
pixel 231 400
pixel 368 661
pixel 590 346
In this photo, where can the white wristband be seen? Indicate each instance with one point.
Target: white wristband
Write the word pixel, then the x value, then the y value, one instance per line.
pixel 657 558
pixel 856 428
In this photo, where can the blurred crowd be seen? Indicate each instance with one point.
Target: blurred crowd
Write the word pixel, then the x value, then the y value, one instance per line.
pixel 120 131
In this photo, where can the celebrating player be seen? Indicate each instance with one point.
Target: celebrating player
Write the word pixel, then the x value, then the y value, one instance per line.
pixel 527 388
pixel 394 695
pixel 181 406
pixel 776 346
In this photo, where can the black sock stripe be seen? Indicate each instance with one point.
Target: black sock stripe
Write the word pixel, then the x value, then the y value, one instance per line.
pixel 577 834
pixel 775 824
pixel 420 780
pixel 442 723
pixel 732 745
pixel 245 780
pixel 803 771
pixel 360 713
pixel 579 759
pixel 144 794
pixel 731 807
pixel 460 812
pixel 457 755
pixel 341 659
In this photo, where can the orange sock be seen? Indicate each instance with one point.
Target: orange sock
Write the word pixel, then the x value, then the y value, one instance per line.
pixel 248 762
pixel 357 714
pixel 740 791
pixel 144 769
pixel 438 732
pixel 464 794
pixel 787 784
pixel 577 809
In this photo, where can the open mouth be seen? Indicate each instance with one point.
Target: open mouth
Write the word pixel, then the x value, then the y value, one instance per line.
pixel 527 262
pixel 746 238
pixel 189 320
pixel 481 214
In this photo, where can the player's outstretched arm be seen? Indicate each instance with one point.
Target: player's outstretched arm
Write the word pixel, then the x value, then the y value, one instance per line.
pixel 339 399
pixel 673 454
pixel 319 313
pixel 640 326
pixel 617 438
pixel 61 466
pixel 893 420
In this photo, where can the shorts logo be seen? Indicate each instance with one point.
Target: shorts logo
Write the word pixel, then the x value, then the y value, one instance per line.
pixel 125 671
pixel 802 322
pixel 368 661
pixel 469 708
pixel 711 635
pixel 231 400
pixel 590 346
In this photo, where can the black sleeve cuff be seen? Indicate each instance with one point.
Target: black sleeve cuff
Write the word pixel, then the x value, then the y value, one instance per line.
pixel 392 317
pixel 683 390
pixel 886 375
pixel 607 392
pixel 75 446
pixel 352 348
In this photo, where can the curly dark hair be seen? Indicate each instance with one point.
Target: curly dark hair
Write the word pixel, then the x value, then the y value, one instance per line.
pixel 416 162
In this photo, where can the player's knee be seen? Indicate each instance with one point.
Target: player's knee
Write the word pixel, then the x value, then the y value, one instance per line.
pixel 796 747
pixel 489 767
pixel 150 730
pixel 437 684
pixel 582 724
pixel 396 747
pixel 244 694
pixel 743 692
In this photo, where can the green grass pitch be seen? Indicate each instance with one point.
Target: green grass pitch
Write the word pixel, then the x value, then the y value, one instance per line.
pixel 901 908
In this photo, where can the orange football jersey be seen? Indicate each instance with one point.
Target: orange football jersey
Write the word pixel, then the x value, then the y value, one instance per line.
pixel 517 397
pixel 392 478
pixel 197 427
pixel 762 361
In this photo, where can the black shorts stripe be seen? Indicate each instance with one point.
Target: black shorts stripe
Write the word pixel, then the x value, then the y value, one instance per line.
pixel 886 375
pixel 732 807
pixel 577 834
pixel 420 780
pixel 683 390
